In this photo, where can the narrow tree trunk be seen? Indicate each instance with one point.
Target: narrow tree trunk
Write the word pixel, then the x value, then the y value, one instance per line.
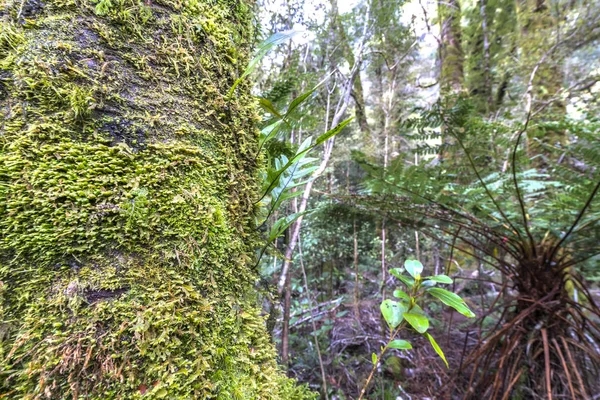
pixel 356 273
pixel 126 203
pixel 451 61
pixel 285 333
pixel 537 43
pixel 487 75
pixel 451 53
pixel 357 90
pixel 328 149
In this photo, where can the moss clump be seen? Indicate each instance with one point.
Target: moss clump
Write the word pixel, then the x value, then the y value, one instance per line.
pixel 126 188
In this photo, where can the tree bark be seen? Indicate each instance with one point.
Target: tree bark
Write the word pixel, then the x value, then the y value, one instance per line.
pixel 356 272
pixel 487 74
pixel 127 182
pixel 451 52
pixel 537 43
pixel 360 111
pixel 451 62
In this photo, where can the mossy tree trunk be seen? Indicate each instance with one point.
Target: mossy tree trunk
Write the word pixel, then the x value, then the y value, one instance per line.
pixel 451 52
pixel 451 63
pixel 538 51
pixel 478 78
pixel 127 181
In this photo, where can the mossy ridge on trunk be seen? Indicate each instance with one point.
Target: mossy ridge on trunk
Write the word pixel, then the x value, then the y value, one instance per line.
pixel 538 26
pixel 126 188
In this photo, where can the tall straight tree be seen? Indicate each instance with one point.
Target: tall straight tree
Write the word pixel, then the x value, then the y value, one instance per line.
pixel 451 52
pixel 127 182
pixel 538 44
pixel 451 61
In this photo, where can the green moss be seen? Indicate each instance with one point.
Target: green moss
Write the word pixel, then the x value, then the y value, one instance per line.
pixel 452 57
pixel 126 197
pixel 538 25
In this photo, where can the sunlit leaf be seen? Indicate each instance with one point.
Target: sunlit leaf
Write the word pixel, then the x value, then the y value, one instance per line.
pixel 400 344
pixel 440 278
pixel 413 267
pixel 452 300
pixel 420 323
pixel 392 312
pixel 401 295
pixel 437 348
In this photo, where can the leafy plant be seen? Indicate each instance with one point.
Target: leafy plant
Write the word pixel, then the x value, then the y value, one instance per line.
pixel 283 173
pixel 263 50
pixel 535 226
pixel 406 312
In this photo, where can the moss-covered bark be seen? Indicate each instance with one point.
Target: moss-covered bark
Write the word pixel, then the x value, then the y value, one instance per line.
pixel 451 65
pixel 451 52
pixel 126 188
pixel 537 43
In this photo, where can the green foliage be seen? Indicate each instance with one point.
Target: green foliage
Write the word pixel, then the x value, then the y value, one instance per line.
pixel 407 312
pixel 263 49
pixel 486 191
pixel 414 268
pixel 282 173
pixel 452 300
pixel 393 312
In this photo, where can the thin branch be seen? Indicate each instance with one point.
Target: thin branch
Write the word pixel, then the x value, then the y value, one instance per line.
pixel 312 320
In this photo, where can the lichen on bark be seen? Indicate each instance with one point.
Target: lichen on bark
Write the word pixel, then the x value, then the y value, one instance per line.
pixel 127 181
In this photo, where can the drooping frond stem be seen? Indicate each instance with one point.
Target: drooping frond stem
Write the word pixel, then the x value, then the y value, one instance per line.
pixel 487 191
pixel 452 249
pixel 579 216
pixel 517 188
pixel 451 210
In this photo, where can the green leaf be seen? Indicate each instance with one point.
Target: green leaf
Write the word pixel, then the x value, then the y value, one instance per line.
pixel 452 300
pixel 263 49
pixel 400 344
pixel 269 107
pixel 413 267
pixel 273 182
pixel 420 323
pixel 374 358
pixel 304 148
pixel 392 312
pixel 397 272
pixel 407 280
pixel 269 132
pixel 440 278
pixel 437 348
pixel 299 100
pixel 401 295
pixel 283 223
pixel 332 132
pixel 428 283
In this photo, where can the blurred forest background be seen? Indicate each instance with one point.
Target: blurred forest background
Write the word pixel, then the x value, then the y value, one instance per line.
pixel 468 140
